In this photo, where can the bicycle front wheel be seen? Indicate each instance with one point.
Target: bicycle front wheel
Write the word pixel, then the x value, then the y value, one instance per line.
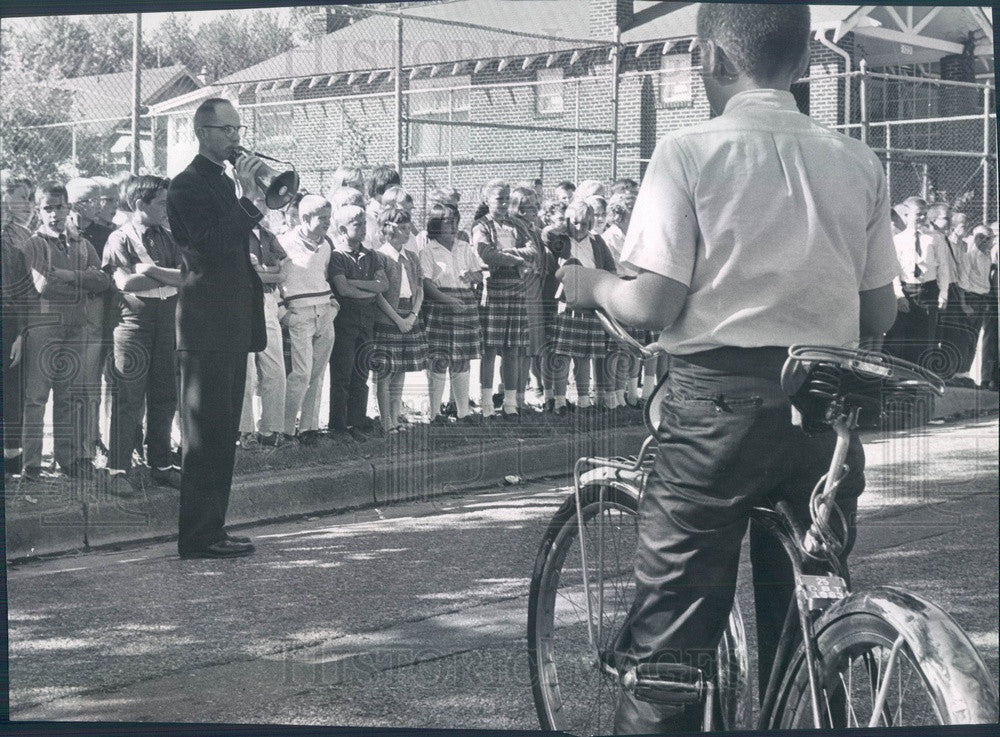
pixel 889 659
pixel 573 680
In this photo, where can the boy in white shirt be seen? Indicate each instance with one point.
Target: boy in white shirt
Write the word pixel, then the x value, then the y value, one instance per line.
pixel 738 260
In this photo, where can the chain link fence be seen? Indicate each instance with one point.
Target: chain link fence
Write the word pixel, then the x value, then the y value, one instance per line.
pixel 474 103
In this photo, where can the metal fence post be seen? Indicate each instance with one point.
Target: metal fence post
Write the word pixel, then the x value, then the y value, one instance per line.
pixel 888 161
pixel 451 128
pixel 986 153
pixel 576 135
pixel 863 94
pixel 136 91
pixel 399 94
pixel 615 84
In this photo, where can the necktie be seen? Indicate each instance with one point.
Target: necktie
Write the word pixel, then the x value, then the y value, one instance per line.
pixel 917 271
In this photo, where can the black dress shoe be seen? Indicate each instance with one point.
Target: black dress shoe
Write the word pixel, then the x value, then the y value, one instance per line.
pixel 222 549
pixel 241 539
pixel 170 476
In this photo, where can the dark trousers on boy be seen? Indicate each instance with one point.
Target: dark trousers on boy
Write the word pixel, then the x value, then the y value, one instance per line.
pixel 13 400
pixel 914 334
pixel 145 374
pixel 353 328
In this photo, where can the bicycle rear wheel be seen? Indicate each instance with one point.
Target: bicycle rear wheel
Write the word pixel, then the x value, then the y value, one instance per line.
pixel 889 659
pixel 574 683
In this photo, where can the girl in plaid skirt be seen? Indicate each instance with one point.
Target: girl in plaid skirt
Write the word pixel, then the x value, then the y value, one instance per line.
pixel 505 250
pixel 400 345
pixel 578 334
pixel 450 268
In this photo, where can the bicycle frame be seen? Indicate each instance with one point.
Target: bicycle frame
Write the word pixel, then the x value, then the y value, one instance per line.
pixel 813 593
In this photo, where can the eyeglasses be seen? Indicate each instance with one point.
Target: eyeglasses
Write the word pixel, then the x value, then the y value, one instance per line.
pixel 229 130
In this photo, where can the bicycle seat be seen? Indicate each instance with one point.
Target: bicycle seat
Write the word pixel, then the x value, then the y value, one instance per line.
pixel 817 377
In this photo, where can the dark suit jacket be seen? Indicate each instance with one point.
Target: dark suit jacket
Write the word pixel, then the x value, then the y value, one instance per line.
pixel 220 304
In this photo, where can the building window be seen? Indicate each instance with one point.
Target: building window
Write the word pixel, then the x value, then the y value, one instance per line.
pixel 183 129
pixel 273 124
pixel 675 79
pixel 549 92
pixel 429 100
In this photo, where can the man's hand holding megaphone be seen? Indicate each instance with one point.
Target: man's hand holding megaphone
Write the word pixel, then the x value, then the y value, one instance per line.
pixel 246 166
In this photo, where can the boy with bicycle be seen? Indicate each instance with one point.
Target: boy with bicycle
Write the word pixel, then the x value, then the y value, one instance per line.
pixel 752 232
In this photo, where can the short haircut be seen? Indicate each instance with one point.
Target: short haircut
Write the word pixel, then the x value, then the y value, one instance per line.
pixel 83 188
pixel 11 185
pixel 937 210
pixel 620 206
pixel 910 202
pixel 589 187
pixel 393 214
pixel 346 196
pixel 347 213
pixel 551 207
pixel 312 204
pixel 437 216
pixel 349 176
pixel 579 207
pixel 383 177
pixel 763 41
pixel 397 195
pixel 144 187
pixel 596 201
pixel 494 185
pixel 208 109
pixel 624 185
pixel 566 186
pixel 520 195
pixel 50 189
pixel 442 194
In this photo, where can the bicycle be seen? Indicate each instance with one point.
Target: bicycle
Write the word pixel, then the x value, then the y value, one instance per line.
pixel 844 659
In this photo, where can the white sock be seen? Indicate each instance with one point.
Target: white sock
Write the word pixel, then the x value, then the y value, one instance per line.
pixel 486 402
pixel 509 400
pixel 549 394
pixel 633 389
pixel 584 402
pixel 648 386
pixel 611 400
pixel 435 389
pixel 11 452
pixel 460 388
pixel 559 401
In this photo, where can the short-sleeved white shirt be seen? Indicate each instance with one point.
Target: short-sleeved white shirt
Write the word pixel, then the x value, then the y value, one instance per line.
pixel 446 268
pixel 774 223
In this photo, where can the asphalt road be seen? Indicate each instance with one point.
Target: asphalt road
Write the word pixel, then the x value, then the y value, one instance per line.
pixel 414 615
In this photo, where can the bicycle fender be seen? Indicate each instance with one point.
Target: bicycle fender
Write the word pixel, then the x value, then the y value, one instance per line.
pixel 627 481
pixel 936 640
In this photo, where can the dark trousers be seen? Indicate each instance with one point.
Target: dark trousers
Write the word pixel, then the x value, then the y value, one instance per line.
pixel 13 394
pixel 913 337
pixel 211 400
pixel 349 367
pixel 728 445
pixel 145 373
pixel 991 364
pixel 958 329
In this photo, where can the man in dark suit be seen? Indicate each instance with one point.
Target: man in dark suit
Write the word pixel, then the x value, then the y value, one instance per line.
pixel 220 318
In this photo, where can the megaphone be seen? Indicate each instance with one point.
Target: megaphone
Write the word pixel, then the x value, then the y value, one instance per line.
pixel 279 188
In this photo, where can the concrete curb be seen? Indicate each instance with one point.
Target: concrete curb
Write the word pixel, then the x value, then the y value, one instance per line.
pixel 417 465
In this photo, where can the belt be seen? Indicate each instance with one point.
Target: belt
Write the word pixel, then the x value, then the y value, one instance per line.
pixel 764 363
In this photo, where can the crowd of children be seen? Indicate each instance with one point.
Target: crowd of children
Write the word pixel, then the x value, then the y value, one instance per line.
pixel 354 290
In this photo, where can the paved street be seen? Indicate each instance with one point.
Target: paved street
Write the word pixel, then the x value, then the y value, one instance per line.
pixel 414 615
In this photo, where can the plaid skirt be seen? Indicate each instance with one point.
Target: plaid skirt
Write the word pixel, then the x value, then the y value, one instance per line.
pixel 398 352
pixel 645 337
pixel 453 332
pixel 578 334
pixel 506 315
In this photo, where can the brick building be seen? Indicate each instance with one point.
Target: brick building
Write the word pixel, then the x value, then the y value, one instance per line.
pixel 525 88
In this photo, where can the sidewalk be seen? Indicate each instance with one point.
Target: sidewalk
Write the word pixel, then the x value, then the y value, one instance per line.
pixel 292 481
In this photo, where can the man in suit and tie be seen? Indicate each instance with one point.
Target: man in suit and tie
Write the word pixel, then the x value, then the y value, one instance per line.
pixel 220 319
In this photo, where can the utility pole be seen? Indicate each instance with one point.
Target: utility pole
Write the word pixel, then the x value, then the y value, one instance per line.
pixel 136 91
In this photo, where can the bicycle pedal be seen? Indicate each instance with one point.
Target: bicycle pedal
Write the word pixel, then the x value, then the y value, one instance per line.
pixel 665 683
pixel 819 592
